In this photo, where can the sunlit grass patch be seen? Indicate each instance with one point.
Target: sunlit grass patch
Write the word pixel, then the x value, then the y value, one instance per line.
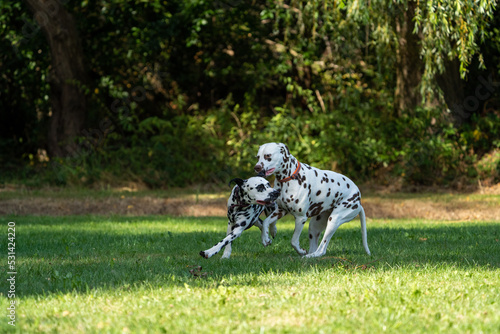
pixel 84 274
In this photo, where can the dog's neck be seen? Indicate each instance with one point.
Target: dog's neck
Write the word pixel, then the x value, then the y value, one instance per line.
pixel 287 167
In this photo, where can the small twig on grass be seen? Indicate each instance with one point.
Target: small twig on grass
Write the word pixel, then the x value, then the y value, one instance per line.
pixel 351 265
pixel 197 273
pixel 334 257
pixel 365 266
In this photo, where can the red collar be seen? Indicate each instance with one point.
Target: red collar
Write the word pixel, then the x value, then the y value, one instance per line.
pixel 293 176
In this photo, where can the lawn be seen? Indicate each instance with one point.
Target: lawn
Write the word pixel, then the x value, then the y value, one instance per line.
pixel 95 274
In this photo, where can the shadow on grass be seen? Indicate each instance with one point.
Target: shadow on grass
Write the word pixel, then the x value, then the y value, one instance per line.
pixel 55 256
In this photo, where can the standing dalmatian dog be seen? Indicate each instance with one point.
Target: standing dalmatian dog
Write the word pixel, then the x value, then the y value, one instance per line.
pixel 247 201
pixel 328 198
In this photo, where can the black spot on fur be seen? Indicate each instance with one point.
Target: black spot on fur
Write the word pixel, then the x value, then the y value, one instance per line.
pixel 355 206
pixel 315 209
pixel 318 193
pixel 260 188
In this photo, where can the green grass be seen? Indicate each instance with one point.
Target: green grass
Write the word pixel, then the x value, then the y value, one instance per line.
pixel 132 274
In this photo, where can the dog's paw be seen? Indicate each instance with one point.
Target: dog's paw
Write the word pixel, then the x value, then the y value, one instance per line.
pixel 204 254
pixel 273 231
pixel 301 251
pixel 313 255
pixel 266 241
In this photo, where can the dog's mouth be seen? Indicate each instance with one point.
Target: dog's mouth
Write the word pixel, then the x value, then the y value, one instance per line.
pixel 270 200
pixel 270 171
pixel 266 202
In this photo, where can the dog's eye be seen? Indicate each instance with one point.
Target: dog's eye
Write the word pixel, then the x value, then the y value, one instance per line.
pixel 267 157
pixel 261 188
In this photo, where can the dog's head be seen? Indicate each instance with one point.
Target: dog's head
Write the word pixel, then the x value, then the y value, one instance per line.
pixel 271 157
pixel 256 190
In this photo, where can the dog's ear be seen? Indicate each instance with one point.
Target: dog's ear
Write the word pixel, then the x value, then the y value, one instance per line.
pixel 283 146
pixel 238 181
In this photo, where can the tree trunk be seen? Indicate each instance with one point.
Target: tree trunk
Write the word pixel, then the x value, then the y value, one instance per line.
pixel 66 75
pixel 452 87
pixel 409 68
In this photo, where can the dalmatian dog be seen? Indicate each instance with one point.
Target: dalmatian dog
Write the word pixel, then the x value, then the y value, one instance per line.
pixel 330 199
pixel 249 198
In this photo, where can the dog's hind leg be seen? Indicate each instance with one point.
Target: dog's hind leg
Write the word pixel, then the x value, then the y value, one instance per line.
pixel 316 226
pixel 337 218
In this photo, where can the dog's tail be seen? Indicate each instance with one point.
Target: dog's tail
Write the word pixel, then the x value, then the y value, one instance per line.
pixel 362 218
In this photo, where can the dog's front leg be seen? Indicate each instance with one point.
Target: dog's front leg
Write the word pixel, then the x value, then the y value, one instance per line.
pixel 270 220
pixel 299 225
pixel 272 226
pixel 228 248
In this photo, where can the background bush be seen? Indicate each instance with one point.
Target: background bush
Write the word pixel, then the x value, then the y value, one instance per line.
pixel 184 92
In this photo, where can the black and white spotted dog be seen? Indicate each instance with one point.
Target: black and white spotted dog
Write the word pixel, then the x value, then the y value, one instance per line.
pixel 330 199
pixel 247 201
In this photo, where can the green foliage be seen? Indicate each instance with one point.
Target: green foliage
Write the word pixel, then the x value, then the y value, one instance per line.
pixel 184 92
pixel 489 167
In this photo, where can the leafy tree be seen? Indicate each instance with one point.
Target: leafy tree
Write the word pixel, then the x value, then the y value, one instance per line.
pixel 184 91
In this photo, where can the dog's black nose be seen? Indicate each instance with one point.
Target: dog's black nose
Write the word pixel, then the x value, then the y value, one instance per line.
pixel 257 168
pixel 261 174
pixel 275 194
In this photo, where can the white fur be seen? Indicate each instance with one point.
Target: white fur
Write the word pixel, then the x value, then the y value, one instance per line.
pixel 243 210
pixel 328 204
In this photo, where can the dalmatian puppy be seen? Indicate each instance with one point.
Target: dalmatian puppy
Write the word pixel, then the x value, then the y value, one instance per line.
pixel 330 199
pixel 247 201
